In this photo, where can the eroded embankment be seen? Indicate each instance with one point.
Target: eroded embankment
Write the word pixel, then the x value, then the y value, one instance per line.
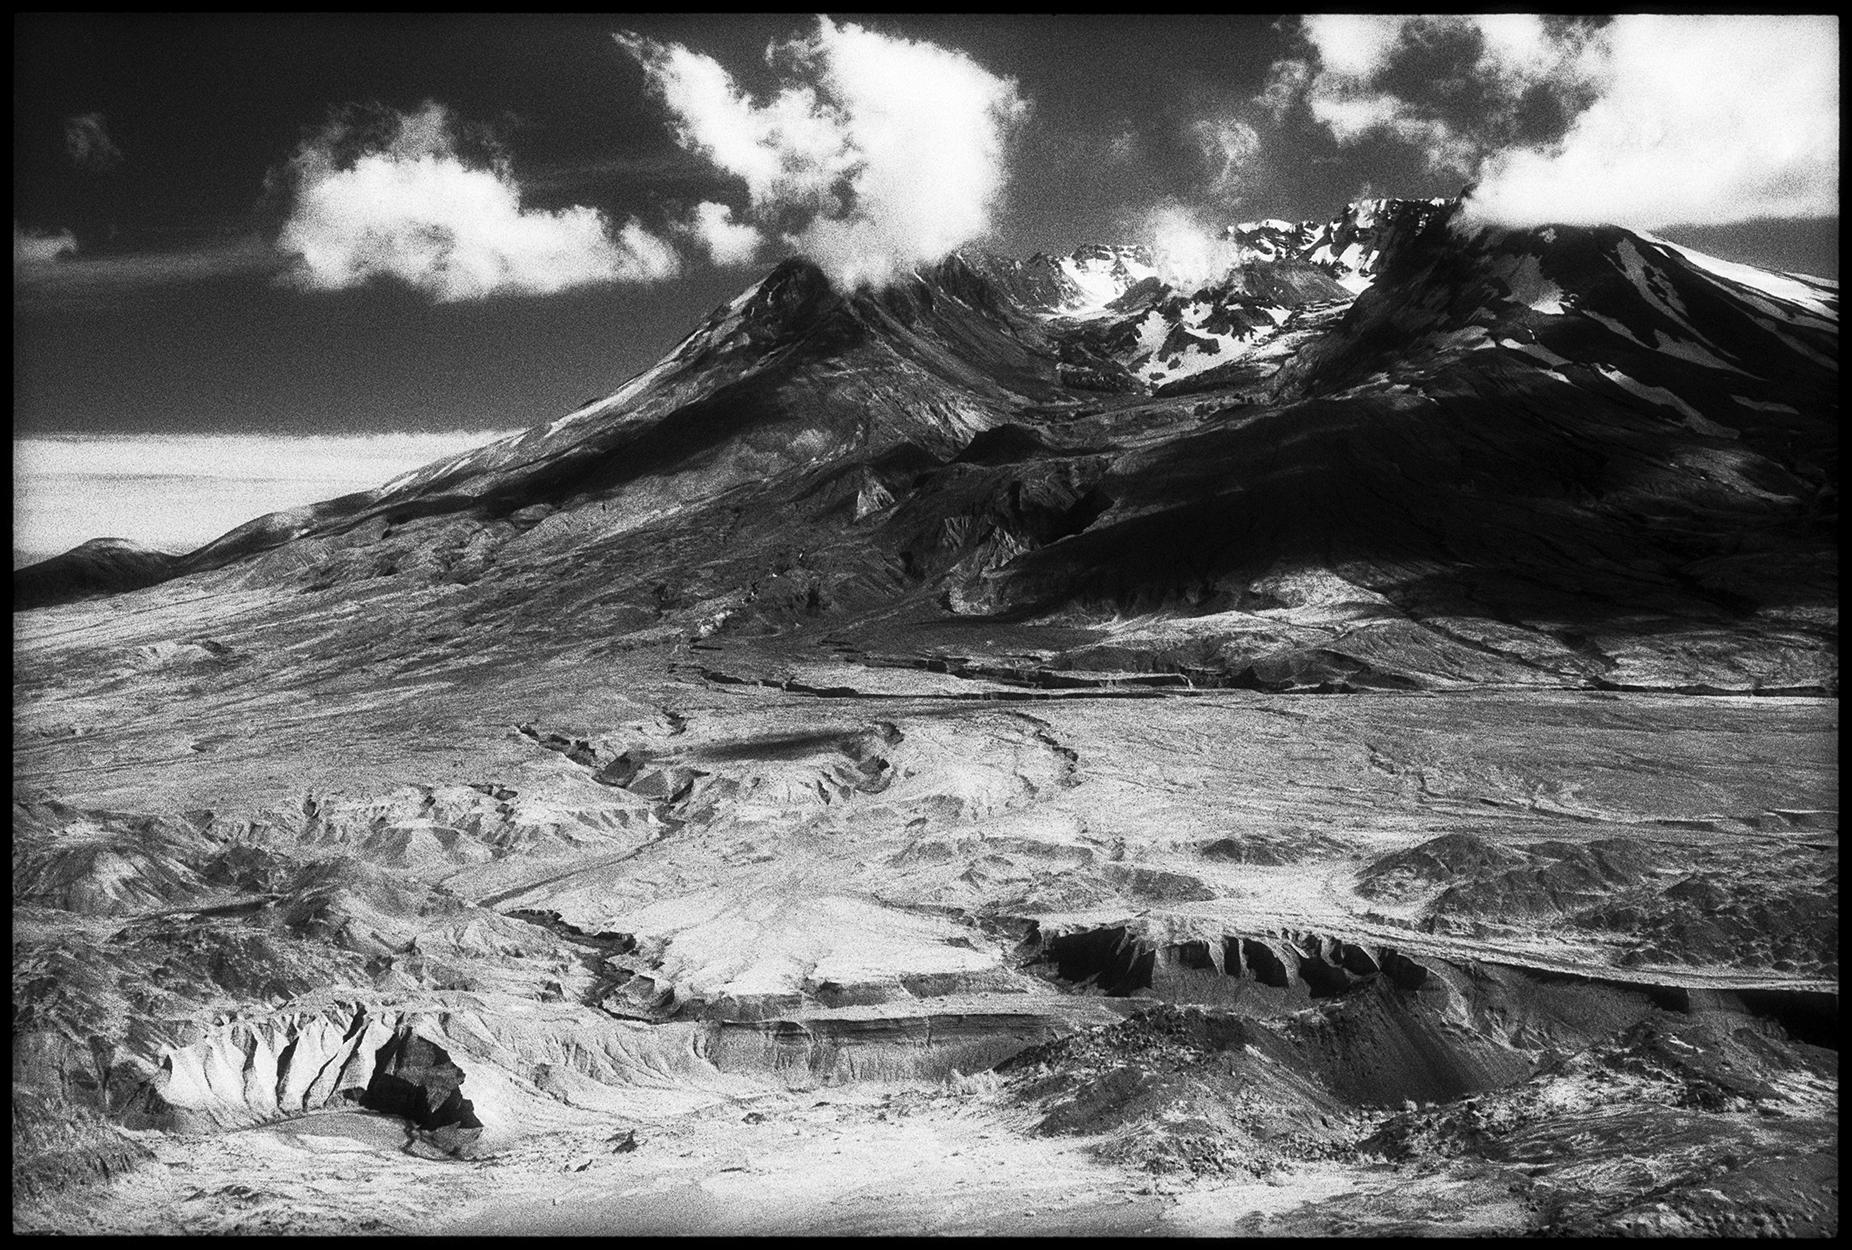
pixel 1298 1048
pixel 1605 1106
pixel 1359 1023
pixel 1379 1026
pixel 251 1072
pixel 925 1026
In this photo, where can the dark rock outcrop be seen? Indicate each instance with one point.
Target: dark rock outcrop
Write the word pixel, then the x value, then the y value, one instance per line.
pixel 416 1079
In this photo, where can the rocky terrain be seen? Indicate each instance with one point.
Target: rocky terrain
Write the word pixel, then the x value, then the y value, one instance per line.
pixel 1028 748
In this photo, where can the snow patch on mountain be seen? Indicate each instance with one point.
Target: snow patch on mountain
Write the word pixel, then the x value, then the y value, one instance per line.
pixel 1206 351
pixel 1529 287
pixel 1763 406
pixel 1816 295
pixel 1659 396
pixel 1152 331
pixel 1650 284
pixel 1351 244
pixel 1101 274
pixel 1535 351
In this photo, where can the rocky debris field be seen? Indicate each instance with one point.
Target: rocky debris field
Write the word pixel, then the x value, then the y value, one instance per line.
pixel 1371 946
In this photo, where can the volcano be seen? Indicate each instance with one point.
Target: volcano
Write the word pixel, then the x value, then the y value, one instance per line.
pixel 1389 684
pixel 1562 457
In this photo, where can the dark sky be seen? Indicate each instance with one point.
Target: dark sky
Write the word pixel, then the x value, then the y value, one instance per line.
pixel 169 316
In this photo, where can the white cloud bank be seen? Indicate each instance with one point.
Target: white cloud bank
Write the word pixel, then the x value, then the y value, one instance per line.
pixel 1515 52
pixel 1674 119
pixel 180 491
pixel 1700 120
pixel 875 154
pixel 725 240
pixel 414 208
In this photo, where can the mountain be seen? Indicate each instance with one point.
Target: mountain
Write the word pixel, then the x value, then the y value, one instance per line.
pixel 1561 457
pixel 100 566
pixel 1374 704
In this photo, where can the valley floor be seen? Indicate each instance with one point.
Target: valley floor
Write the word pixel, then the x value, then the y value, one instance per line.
pixel 907 1158
pixel 1486 962
pixel 872 1161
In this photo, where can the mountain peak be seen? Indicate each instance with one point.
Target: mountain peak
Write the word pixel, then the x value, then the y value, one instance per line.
pixel 969 343
pixel 794 290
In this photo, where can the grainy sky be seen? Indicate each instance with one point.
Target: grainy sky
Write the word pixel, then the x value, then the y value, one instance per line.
pixel 294 226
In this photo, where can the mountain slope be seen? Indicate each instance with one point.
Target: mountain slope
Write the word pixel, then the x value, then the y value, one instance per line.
pixel 1569 456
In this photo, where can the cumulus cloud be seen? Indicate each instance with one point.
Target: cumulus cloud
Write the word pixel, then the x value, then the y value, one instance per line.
pixel 1662 119
pixel 874 154
pixel 34 247
pixel 1351 85
pixel 1353 116
pixel 1354 45
pixel 726 241
pixel 409 204
pixel 1698 120
pixel 87 143
pixel 1516 43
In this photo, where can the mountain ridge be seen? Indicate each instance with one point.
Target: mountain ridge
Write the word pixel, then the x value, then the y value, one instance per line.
pixel 1653 414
